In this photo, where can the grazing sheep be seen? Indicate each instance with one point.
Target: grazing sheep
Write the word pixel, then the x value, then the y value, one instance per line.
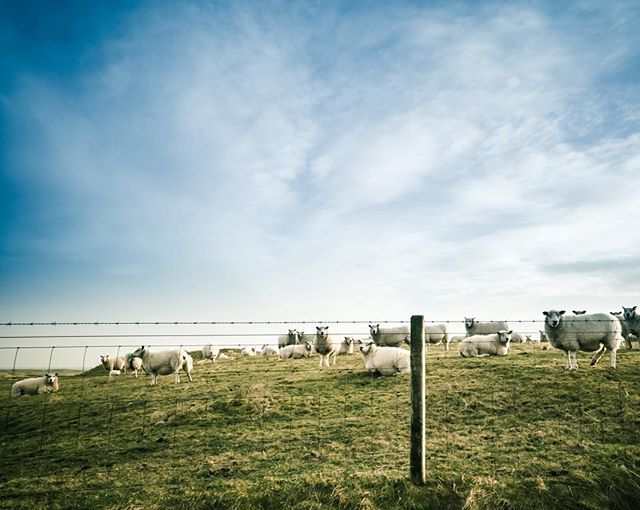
pixel 437 334
pixel 291 338
pixel 594 332
pixel 296 351
pixel 346 347
pixel 579 312
pixel 479 346
pixel 475 327
pixel 248 351
pixel 389 337
pixel 35 385
pixel 165 363
pixel 133 363
pixel 385 360
pixel 326 345
pixel 211 352
pixel 269 350
pixel 114 366
pixel 631 325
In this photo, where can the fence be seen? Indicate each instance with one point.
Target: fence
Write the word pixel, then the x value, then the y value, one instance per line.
pixel 250 422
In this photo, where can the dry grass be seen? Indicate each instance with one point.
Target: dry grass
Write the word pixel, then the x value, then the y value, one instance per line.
pixel 517 432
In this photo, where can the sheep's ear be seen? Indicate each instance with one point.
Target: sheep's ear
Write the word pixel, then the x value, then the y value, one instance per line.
pixel 545 313
pixel 634 307
pixel 318 328
pixel 510 332
pixel 561 312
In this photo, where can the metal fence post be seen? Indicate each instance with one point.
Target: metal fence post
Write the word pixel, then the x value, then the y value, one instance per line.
pixel 418 398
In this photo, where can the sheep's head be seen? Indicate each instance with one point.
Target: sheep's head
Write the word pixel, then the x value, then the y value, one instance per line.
pixel 322 332
pixel 50 379
pixel 527 338
pixel 366 347
pixel 292 333
pixel 629 313
pixel 348 340
pixel 300 336
pixel 504 337
pixel 553 318
pixel 307 346
pixel 105 358
pixel 374 330
pixel 468 322
pixel 138 352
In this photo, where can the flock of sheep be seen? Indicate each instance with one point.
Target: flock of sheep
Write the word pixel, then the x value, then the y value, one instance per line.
pixel 383 353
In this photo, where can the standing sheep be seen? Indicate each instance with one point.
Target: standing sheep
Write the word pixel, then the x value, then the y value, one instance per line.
pixel 631 324
pixel 594 332
pixel 35 385
pixel 134 364
pixel 479 346
pixel 475 327
pixel 437 334
pixel 114 366
pixel 389 337
pixel 291 338
pixel 326 345
pixel 385 360
pixel 165 363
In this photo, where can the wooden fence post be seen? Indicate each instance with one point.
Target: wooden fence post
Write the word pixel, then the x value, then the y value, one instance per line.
pixel 418 398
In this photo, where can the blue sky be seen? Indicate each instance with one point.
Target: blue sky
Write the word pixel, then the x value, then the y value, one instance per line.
pixel 345 160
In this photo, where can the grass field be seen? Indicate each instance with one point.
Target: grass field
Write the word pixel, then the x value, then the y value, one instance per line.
pixel 517 432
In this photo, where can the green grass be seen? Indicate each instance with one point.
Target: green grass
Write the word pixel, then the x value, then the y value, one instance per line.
pixel 516 432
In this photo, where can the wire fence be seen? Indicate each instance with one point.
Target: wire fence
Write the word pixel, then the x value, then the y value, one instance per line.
pixel 247 419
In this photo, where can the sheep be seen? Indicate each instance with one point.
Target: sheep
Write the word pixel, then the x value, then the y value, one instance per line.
pixel 593 332
pixel 269 350
pixel 579 312
pixel 389 337
pixel 456 338
pixel 211 352
pixel 346 347
pixel 291 338
pixel 35 385
pixel 133 363
pixel 479 346
pixel 248 351
pixel 222 355
pixel 630 325
pixel 165 363
pixel 385 360
pixel 114 366
pixel 296 351
pixel 326 345
pixel 475 327
pixel 437 334
pixel 519 338
pixel 543 336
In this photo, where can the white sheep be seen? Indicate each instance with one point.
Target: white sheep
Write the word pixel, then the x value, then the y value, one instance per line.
pixel 437 334
pixel 35 385
pixel 291 338
pixel 114 366
pixel 296 351
pixel 456 339
pixel 519 338
pixel 479 346
pixel 389 337
pixel 248 351
pixel 222 355
pixel 631 325
pixel 210 352
pixel 269 350
pixel 475 327
pixel 597 332
pixel 385 360
pixel 326 345
pixel 134 364
pixel 346 347
pixel 165 363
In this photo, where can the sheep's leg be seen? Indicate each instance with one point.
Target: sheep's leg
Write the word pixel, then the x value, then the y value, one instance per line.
pixel 189 375
pixel 177 377
pixel 320 365
pixel 573 359
pixel 154 379
pixel 568 365
pixel 598 355
pixel 612 357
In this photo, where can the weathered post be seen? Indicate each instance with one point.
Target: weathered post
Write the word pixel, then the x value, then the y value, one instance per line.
pixel 418 398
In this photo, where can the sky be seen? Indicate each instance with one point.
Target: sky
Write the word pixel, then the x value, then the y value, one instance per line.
pixel 289 161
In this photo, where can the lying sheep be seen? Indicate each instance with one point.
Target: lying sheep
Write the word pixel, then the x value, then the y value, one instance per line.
pixel 437 334
pixel 389 337
pixel 385 360
pixel 479 346
pixel 296 351
pixel 269 350
pixel 114 366
pixel 593 332
pixel 291 338
pixel 456 339
pixel 133 363
pixel 248 351
pixel 326 345
pixel 48 383
pixel 519 338
pixel 210 352
pixel 475 327
pixel 165 363
pixel 222 355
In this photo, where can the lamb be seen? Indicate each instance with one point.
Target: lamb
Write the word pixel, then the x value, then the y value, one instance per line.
pixel 437 334
pixel 211 352
pixel 326 345
pixel 389 337
pixel 48 383
pixel 165 363
pixel 593 332
pixel 346 347
pixel 269 350
pixel 579 312
pixel 134 364
pixel 291 338
pixel 296 351
pixel 114 366
pixel 385 360
pixel 475 327
pixel 479 346
pixel 248 351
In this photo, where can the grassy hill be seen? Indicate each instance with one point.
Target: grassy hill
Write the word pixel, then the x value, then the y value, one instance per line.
pixel 516 432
